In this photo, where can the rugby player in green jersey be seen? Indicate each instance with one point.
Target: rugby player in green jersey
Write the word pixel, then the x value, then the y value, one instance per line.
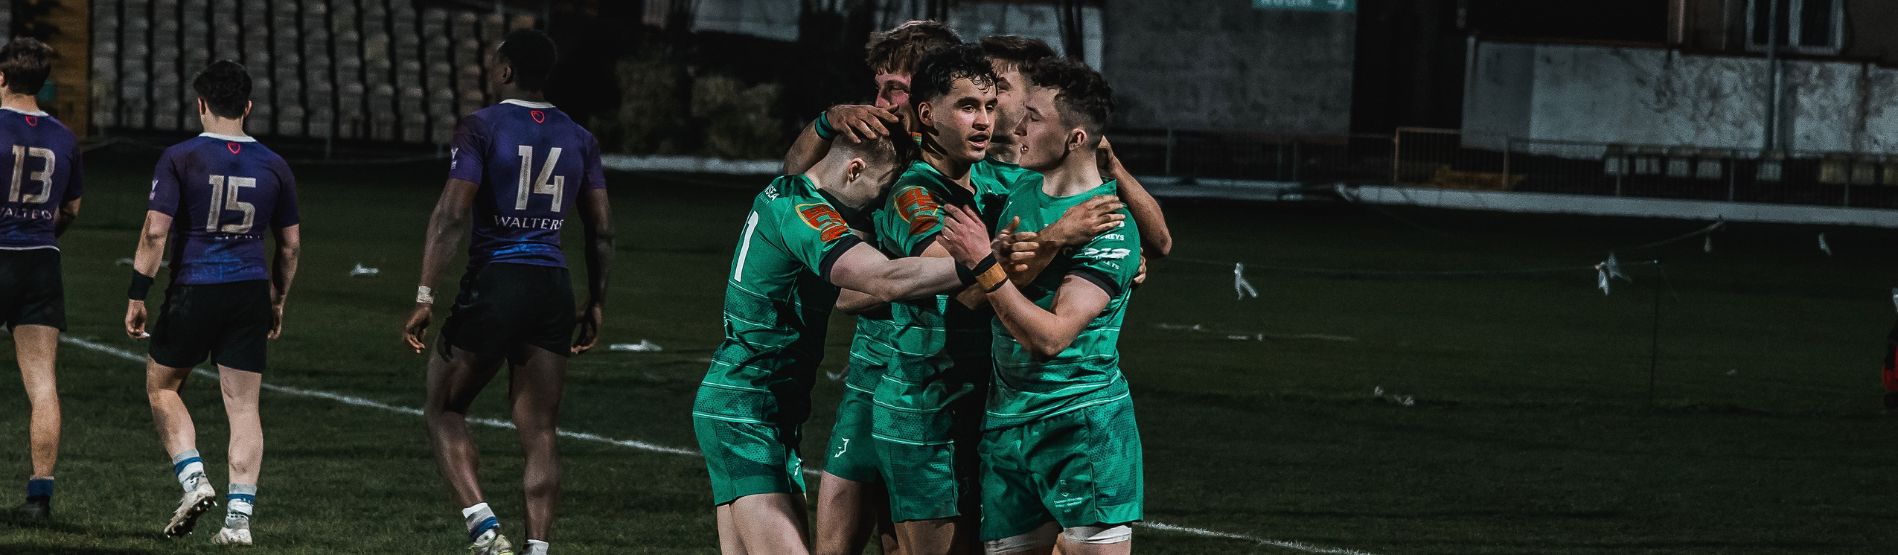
pixel 1011 55
pixel 796 249
pixel 851 501
pixel 1061 456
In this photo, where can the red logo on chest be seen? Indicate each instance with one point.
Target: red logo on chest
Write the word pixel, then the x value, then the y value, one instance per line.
pixel 33 121
pixel 233 147
pixel 539 116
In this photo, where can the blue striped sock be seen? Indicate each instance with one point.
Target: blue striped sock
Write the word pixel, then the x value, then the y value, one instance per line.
pixel 189 469
pixel 39 488
pixel 480 520
pixel 239 504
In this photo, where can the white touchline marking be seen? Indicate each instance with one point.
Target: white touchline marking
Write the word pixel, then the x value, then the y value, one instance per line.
pixel 643 446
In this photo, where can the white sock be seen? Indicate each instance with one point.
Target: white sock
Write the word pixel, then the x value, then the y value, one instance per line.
pixel 241 501
pixel 536 547
pixel 481 521
pixel 189 468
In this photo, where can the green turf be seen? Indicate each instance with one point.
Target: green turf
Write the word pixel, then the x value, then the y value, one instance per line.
pixel 1533 427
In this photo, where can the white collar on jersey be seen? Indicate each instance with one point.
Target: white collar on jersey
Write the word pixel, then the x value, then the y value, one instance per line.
pixel 232 138
pixel 528 104
pixel 17 110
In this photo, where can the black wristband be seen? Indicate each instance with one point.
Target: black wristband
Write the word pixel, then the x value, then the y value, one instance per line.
pixel 967 275
pixel 141 286
pixel 822 126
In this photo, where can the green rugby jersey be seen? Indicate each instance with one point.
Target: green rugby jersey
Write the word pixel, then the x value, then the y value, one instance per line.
pixel 870 351
pixel 777 302
pixel 929 334
pixel 1087 373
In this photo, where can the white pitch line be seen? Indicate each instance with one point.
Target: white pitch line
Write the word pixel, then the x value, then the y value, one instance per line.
pixel 643 446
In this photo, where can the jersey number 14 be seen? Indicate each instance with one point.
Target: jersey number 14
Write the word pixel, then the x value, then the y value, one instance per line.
pixel 546 183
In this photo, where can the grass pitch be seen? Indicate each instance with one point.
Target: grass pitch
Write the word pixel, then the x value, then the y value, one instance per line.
pixel 1531 426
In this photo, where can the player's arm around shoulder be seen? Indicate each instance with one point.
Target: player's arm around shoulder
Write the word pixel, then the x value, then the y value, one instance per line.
pixel 1045 332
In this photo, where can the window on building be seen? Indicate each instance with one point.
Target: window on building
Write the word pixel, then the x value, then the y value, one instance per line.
pixel 1804 26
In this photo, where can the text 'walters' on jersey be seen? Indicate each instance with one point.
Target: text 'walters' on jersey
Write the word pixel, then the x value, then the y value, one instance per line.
pixel 531 162
pixel 777 303
pixel 223 194
pixel 40 171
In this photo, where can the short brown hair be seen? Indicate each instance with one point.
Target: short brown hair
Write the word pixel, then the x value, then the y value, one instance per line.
pixel 897 50
pixel 1016 50
pixel 26 62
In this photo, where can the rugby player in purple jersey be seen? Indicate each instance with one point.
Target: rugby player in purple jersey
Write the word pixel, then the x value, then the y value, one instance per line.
pixel 518 168
pixel 214 197
pixel 40 200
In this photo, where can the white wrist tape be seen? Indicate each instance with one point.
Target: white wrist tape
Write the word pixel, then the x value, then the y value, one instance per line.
pixel 424 295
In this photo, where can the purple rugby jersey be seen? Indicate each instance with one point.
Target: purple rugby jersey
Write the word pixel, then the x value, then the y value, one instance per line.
pixel 224 194
pixel 39 171
pixel 531 162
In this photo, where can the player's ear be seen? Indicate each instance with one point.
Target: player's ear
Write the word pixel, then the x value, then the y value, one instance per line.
pixel 1077 139
pixel 854 169
pixel 922 115
pixel 201 107
pixel 247 106
pixel 507 73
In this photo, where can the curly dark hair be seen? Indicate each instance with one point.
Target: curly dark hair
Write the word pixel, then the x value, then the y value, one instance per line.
pixel 532 54
pixel 939 71
pixel 225 88
pixel 1016 50
pixel 1083 98
pixel 899 49
pixel 26 62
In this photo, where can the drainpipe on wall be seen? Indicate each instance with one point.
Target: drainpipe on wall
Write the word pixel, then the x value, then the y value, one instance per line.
pixel 1772 65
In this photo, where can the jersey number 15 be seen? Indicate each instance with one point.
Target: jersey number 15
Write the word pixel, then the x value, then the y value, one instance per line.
pixel 224 198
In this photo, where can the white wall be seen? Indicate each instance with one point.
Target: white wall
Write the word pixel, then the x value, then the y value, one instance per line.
pixel 1661 97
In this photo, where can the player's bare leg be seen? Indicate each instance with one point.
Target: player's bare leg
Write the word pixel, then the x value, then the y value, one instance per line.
pixel 241 390
pixel 770 523
pixel 728 542
pixel 846 512
pixel 453 383
pixel 37 348
pixel 535 386
pixel 173 420
pixel 940 535
pixel 180 437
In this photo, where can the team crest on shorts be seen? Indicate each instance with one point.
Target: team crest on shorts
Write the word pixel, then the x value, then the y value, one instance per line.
pixel 829 224
pixel 916 206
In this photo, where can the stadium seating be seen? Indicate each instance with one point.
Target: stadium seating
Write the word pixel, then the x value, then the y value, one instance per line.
pixel 358 69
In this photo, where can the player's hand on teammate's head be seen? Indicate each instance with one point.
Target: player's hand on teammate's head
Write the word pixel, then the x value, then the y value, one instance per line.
pixel 135 320
pixel 588 324
pixel 416 329
pixel 859 123
pixel 964 235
